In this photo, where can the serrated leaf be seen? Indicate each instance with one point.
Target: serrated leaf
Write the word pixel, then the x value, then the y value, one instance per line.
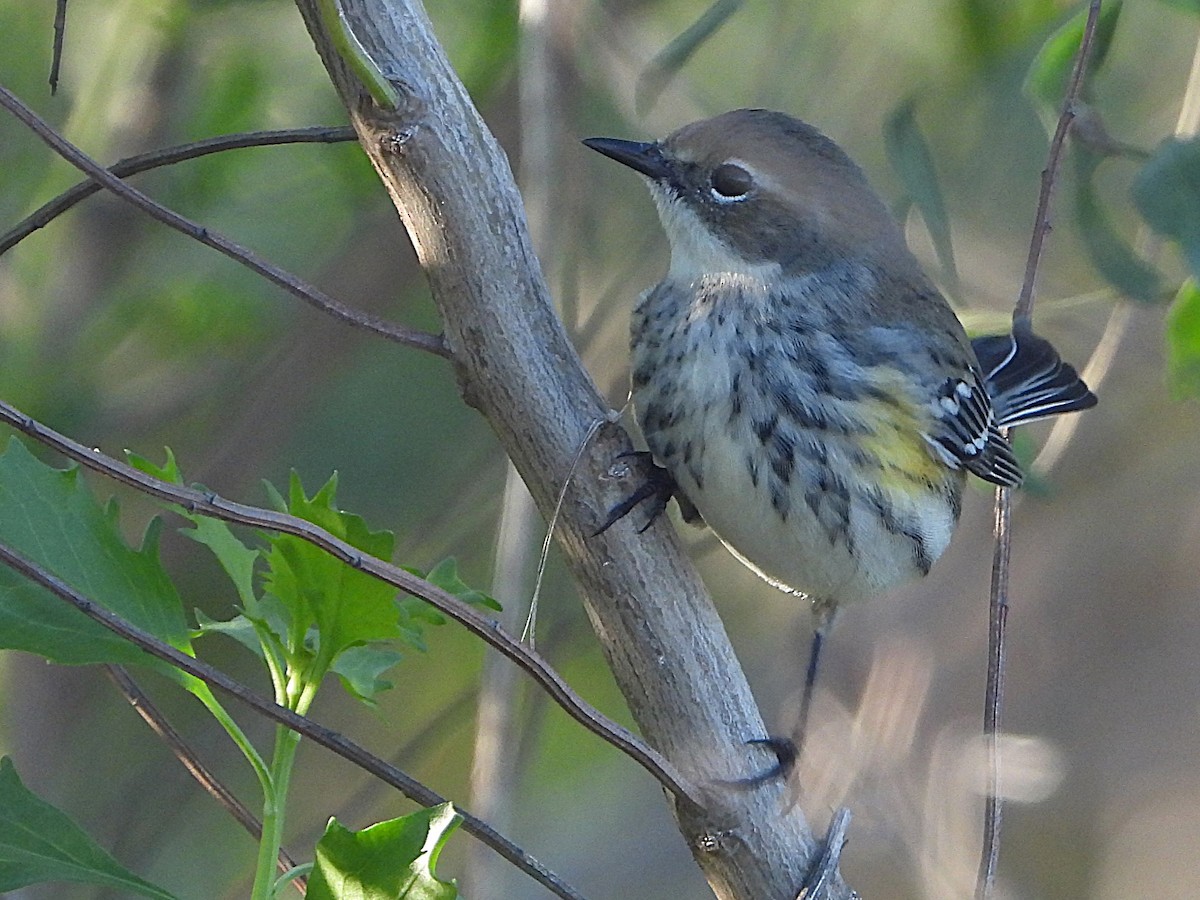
pixel 1183 341
pixel 1046 82
pixel 49 516
pixel 445 576
pixel 347 607
pixel 240 628
pixel 360 670
pixel 235 558
pixel 1167 194
pixel 393 860
pixel 168 471
pixel 1112 256
pixel 39 843
pixel 911 157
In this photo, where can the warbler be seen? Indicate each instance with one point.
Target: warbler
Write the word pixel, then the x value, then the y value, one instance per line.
pixel 807 391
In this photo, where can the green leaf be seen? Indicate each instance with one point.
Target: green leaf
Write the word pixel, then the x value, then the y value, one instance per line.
pixel 240 628
pixel 1110 253
pixel 993 29
pixel 49 516
pixel 911 157
pixel 235 558
pixel 1167 194
pixel 360 669
pixel 347 607
pixel 392 860
pixel 1046 82
pixel 445 576
pixel 1183 341
pixel 39 843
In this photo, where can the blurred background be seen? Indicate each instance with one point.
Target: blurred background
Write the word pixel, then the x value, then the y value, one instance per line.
pixel 127 336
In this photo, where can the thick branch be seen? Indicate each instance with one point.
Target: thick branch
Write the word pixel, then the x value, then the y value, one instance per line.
pixel 667 648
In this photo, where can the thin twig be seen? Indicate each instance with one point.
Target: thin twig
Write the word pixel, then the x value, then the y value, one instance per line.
pixel 60 30
pixel 209 504
pixel 994 699
pixel 319 734
pixel 825 868
pixel 998 601
pixel 1148 246
pixel 1023 313
pixel 169 156
pixel 158 723
pixel 409 337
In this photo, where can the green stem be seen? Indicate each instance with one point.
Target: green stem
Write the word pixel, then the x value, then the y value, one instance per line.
pixel 201 692
pixel 356 56
pixel 286 742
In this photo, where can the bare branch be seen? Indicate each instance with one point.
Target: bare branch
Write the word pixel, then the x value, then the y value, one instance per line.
pixel 209 504
pixel 667 648
pixel 60 30
pixel 993 707
pixel 824 873
pixel 1023 313
pixel 998 601
pixel 326 737
pixel 169 156
pixel 410 337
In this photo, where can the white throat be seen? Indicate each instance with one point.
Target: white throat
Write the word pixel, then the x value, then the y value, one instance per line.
pixel 695 252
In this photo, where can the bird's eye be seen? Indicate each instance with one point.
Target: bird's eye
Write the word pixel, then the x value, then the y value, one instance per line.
pixel 731 182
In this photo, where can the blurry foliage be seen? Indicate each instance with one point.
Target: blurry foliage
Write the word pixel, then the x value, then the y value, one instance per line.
pixel 1051 69
pixel 912 158
pixel 1183 340
pixel 306 614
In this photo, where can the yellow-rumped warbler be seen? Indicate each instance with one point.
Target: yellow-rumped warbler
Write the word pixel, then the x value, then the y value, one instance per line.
pixel 808 391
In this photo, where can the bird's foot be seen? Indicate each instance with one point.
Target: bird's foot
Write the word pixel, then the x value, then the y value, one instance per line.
pixel 786 751
pixel 658 487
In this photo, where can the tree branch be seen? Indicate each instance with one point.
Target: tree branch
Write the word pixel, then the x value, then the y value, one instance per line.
pixel 662 637
pixel 410 337
pixel 209 504
pixel 169 156
pixel 1023 313
pixel 993 706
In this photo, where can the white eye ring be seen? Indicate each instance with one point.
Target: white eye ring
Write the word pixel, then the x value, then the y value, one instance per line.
pixel 730 182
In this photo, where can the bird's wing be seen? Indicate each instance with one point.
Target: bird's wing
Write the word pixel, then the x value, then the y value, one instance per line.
pixel 965 433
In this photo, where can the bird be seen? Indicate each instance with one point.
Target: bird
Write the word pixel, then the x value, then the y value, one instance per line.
pixel 802 386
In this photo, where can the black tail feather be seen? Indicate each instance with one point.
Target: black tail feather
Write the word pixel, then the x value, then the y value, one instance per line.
pixel 1027 380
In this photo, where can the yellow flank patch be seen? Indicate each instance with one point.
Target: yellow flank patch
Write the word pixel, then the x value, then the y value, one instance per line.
pixel 896 441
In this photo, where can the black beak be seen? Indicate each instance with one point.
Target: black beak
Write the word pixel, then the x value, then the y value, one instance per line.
pixel 646 158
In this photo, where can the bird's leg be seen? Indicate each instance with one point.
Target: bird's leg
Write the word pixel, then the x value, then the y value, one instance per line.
pixel 787 750
pixel 822 614
pixel 658 487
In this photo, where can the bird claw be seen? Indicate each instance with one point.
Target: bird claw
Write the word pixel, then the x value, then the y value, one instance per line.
pixel 786 753
pixel 658 487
